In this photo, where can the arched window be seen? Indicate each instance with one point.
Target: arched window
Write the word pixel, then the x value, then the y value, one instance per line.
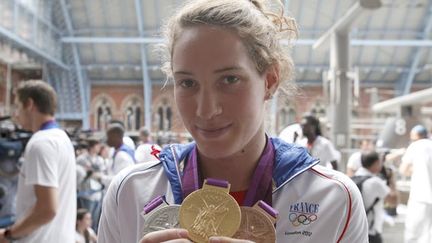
pixel 318 110
pixel 132 113
pixel 103 109
pixel 287 116
pixel 163 116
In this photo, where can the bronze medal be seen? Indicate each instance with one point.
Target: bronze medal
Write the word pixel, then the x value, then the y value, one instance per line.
pixel 210 211
pixel 257 223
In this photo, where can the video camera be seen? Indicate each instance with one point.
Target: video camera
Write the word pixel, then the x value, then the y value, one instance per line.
pixel 12 144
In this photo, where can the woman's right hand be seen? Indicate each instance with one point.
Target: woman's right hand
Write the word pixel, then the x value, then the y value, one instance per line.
pixel 168 235
pixel 181 236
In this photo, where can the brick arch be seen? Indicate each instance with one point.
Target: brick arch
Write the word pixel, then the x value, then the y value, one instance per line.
pixel 163 113
pixel 99 98
pixel 132 110
pixel 101 105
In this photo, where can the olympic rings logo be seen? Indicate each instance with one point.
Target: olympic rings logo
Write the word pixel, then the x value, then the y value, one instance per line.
pixel 302 219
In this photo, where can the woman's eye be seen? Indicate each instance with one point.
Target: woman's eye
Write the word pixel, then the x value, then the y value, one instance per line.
pixel 231 79
pixel 187 83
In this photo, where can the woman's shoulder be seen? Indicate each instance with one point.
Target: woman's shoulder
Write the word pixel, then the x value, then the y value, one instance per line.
pixel 321 180
pixel 132 178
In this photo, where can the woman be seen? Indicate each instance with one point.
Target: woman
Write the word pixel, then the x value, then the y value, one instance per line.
pixel 226 61
pixel 84 232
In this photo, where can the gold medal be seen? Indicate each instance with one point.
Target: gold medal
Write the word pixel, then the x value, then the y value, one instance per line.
pixel 257 223
pixel 210 211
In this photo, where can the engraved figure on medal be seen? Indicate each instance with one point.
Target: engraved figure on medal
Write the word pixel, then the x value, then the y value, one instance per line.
pixel 210 211
pixel 209 218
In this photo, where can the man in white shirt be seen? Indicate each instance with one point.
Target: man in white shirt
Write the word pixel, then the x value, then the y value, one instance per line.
pixel 317 145
pixel 417 163
pixel 46 196
pixel 373 190
pixel 123 156
pixel 354 161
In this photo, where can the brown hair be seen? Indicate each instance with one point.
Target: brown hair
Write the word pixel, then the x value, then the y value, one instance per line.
pixel 261 31
pixel 42 94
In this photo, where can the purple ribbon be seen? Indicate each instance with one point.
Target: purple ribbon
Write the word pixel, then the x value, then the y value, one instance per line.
pixel 191 180
pixel 273 212
pixel 260 188
pixel 217 182
pixel 153 204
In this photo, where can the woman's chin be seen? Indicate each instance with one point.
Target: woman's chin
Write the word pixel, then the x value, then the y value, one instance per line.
pixel 215 151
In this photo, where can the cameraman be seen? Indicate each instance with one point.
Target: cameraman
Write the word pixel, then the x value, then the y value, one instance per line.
pixel 46 195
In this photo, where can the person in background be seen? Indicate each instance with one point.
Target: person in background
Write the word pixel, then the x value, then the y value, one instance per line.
pixel 145 152
pixel 417 163
pixel 128 141
pixel 46 195
pixel 374 190
pixel 354 161
pixel 388 173
pixel 226 61
pixel 84 232
pixel 122 157
pixel 317 145
pixel 90 189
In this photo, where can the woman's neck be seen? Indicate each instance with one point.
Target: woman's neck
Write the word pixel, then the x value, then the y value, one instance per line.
pixel 237 169
pixel 81 229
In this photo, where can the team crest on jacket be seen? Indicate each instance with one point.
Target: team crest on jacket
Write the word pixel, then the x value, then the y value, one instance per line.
pixel 303 213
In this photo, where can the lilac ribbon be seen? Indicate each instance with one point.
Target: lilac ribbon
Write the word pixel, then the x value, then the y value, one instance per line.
pixel 217 182
pixel 273 212
pixel 153 204
pixel 261 185
pixel 191 180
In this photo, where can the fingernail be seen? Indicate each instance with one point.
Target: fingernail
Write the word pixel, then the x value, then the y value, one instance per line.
pixel 214 239
pixel 182 233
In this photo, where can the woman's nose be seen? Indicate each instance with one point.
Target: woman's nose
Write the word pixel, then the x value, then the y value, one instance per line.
pixel 208 105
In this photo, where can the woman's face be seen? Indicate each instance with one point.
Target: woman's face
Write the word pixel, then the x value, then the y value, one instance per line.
pixel 219 93
pixel 86 221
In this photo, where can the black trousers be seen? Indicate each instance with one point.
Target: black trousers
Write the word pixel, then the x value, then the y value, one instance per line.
pixel 375 238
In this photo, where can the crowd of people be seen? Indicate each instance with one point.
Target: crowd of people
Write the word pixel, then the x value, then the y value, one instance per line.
pixel 226 61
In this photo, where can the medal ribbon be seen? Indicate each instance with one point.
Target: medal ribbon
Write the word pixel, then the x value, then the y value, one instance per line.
pixel 260 188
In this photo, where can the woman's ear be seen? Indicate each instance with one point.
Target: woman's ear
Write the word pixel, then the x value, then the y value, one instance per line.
pixel 271 81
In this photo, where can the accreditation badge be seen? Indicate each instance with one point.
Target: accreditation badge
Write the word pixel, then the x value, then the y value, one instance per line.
pixel 210 211
pixel 257 223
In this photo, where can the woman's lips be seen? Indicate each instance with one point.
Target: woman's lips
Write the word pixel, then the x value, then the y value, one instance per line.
pixel 212 132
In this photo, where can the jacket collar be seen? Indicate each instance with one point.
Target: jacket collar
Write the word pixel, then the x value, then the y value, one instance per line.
pixel 290 161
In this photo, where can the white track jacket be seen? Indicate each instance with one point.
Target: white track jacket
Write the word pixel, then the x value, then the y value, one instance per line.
pixel 315 204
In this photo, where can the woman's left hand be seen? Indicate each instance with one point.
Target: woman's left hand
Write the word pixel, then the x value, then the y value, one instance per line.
pixel 221 239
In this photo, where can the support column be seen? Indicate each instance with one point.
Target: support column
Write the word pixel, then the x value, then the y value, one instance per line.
pixel 8 89
pixel 340 90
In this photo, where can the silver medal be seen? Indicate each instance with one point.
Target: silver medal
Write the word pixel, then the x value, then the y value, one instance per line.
pixel 165 217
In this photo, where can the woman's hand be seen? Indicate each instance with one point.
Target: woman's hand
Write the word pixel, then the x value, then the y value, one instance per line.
pixel 168 235
pixel 221 239
pixel 181 235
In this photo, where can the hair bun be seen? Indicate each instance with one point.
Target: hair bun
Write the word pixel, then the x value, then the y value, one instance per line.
pixel 258 4
pixel 284 24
